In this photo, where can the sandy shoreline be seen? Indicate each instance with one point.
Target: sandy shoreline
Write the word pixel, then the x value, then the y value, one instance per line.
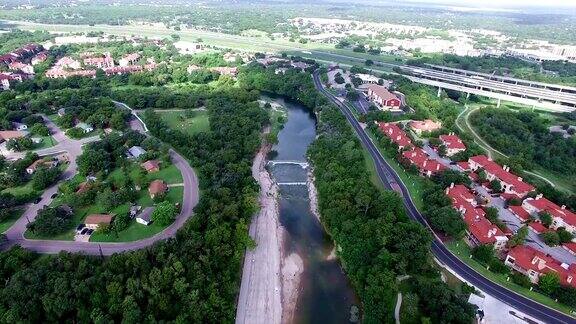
pixel 270 279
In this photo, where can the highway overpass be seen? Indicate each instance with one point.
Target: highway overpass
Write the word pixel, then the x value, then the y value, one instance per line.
pixel 536 94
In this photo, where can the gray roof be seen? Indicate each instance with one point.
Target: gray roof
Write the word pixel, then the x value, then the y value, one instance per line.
pixel 136 151
pixel 146 214
pixel 84 126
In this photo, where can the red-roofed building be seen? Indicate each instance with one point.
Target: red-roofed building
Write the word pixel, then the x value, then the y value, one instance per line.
pixel 383 98
pixel 480 229
pixel 534 263
pixel 464 166
pixel 68 62
pixel 428 125
pixel 511 183
pixel 397 135
pixel 100 62
pixel 427 166
pixel 453 144
pixel 519 212
pixel 39 58
pixel 561 217
pixel 570 247
pixel 538 228
pixel 18 66
pixel 129 59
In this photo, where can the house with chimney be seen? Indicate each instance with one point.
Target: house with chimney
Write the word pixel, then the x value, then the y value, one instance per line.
pixel 452 143
pixel 533 264
pixel 512 184
pixel 480 230
pixel 561 216
pixel 395 134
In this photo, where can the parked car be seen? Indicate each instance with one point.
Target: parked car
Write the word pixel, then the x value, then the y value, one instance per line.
pixel 37 200
pixel 89 232
pixel 54 195
pixel 80 227
pixel 84 231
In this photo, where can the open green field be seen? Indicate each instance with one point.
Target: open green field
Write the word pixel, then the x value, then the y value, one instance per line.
pixel 462 250
pixel 47 141
pixel 23 190
pixel 181 121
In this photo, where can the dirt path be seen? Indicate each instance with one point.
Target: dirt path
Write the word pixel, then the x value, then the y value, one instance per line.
pixel 260 299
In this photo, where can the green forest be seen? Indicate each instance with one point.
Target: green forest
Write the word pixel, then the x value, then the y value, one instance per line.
pixel 525 136
pixel 191 278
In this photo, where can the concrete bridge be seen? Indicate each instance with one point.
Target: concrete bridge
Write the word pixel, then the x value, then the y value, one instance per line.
pixel 304 165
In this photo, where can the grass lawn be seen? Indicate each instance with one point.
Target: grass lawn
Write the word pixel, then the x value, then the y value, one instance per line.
pixel 22 190
pixel 180 121
pixel 6 223
pixel 371 167
pixel 462 250
pixel 169 174
pixel 135 230
pixel 47 141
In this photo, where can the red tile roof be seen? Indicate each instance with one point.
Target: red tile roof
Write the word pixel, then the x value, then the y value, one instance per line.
pixel 505 176
pixel 480 227
pixel 396 134
pixel 570 246
pixel 528 258
pixel 151 165
pixel 463 165
pixel 452 142
pixel 98 219
pixel 157 187
pixel 418 157
pixel 520 212
pixel 543 204
pixel 461 196
pixel 538 227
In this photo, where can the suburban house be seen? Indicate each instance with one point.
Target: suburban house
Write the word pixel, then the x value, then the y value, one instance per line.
pixel 561 216
pixel 11 134
pixel 85 127
pixel 452 143
pixel 135 152
pixel 157 188
pixel 511 183
pixel 94 221
pixel 42 162
pixel 397 135
pixel 151 166
pixel 428 125
pixel 145 217
pixel 19 126
pixel 480 229
pixel 533 264
pixel 129 59
pixel 383 98
pixel 420 159
pixel 100 62
pixel 7 77
pixel 300 65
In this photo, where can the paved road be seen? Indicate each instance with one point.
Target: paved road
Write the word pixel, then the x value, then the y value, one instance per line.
pixel 15 234
pixel 442 254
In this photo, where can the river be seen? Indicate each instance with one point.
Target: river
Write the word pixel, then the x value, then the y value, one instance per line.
pixel 325 294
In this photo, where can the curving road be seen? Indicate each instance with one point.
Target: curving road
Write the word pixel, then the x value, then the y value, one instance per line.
pixel 391 180
pixel 15 234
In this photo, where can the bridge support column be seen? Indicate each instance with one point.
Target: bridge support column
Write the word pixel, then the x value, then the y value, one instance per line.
pixel 498 104
pixel 439 92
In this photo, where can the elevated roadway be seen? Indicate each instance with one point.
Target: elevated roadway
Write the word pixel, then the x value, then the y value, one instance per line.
pixel 392 181
pixel 538 95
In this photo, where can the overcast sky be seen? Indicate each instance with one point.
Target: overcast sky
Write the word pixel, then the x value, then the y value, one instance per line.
pixel 505 3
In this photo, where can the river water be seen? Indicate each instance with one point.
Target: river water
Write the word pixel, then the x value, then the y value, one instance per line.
pixel 325 295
